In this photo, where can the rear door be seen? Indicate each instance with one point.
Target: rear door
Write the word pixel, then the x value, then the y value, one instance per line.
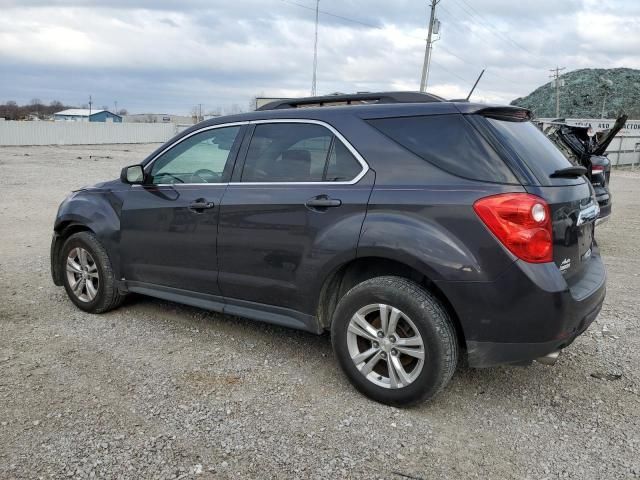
pixel 570 198
pixel 292 213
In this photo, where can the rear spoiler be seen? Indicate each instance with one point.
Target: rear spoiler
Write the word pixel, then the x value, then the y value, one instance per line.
pixel 509 114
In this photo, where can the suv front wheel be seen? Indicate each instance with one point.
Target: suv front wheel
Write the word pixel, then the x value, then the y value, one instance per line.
pixel 394 340
pixel 87 274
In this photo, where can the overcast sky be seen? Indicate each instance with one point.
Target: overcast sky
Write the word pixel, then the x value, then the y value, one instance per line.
pixel 165 56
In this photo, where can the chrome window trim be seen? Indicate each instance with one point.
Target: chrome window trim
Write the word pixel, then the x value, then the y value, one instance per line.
pixel 180 140
pixel 345 142
pixel 339 136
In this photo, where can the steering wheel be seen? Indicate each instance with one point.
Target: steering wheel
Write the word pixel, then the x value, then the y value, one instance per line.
pixel 204 172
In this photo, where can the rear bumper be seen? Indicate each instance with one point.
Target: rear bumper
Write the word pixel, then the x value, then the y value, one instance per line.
pixel 487 354
pixel 603 198
pixel 527 312
pixel 603 219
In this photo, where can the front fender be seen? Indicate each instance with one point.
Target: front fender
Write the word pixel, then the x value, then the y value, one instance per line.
pixel 98 211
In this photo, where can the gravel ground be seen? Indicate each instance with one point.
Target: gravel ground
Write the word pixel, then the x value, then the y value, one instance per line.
pixel 158 390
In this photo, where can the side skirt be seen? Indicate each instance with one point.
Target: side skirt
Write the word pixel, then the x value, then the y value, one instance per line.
pixel 229 306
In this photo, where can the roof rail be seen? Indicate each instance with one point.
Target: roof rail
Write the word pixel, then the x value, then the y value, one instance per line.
pixel 353 99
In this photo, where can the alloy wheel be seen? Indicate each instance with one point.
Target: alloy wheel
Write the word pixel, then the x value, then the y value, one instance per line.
pixel 385 346
pixel 82 274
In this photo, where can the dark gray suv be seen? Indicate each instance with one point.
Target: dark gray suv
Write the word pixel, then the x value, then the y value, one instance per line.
pixel 414 229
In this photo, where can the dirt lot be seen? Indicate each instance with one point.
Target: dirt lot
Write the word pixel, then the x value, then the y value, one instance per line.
pixel 157 390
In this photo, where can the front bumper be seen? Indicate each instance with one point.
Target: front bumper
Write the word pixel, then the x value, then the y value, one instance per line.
pixel 527 312
pixel 56 274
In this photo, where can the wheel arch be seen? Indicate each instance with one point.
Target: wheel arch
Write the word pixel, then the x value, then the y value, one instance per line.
pixel 61 232
pixel 358 270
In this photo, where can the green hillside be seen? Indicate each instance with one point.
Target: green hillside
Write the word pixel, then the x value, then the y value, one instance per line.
pixel 583 93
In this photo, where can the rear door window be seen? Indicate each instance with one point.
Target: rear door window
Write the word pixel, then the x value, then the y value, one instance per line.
pixel 297 152
pixel 450 143
pixel 342 165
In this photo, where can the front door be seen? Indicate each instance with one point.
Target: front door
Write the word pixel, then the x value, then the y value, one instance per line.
pixel 169 224
pixel 293 212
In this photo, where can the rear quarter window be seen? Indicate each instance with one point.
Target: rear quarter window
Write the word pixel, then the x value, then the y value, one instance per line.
pixel 450 143
pixel 525 141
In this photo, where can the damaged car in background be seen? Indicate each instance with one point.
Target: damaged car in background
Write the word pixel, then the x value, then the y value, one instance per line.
pixel 585 147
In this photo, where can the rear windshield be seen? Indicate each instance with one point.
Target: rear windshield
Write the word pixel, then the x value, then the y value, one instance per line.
pixel 531 146
pixel 450 143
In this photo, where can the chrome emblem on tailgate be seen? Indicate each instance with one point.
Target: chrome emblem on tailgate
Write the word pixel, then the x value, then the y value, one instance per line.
pixel 565 265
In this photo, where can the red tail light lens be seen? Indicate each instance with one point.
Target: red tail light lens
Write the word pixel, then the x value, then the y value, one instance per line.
pixel 596 169
pixel 522 222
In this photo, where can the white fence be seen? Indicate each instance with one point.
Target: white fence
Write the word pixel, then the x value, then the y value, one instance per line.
pixel 624 149
pixel 84 133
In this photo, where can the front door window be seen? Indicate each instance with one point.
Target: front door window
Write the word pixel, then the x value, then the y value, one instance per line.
pixel 201 158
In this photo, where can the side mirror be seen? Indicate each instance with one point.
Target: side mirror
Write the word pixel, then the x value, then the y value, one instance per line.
pixel 133 174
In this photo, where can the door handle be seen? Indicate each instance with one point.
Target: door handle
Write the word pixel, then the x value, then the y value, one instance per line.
pixel 200 204
pixel 322 202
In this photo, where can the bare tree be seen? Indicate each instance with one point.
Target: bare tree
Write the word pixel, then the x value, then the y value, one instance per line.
pixel 36 106
pixel 195 113
pixel 233 109
pixel 253 101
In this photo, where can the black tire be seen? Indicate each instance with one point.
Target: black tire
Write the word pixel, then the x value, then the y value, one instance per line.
pixel 431 320
pixel 108 297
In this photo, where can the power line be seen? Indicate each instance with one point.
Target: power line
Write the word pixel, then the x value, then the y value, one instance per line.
pixel 495 32
pixel 376 27
pixel 324 12
pixel 459 28
pixel 508 37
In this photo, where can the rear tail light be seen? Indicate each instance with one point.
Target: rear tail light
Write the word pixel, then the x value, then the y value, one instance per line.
pixel 522 223
pixel 596 169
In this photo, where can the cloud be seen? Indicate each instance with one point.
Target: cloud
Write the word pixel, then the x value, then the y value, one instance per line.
pixel 167 55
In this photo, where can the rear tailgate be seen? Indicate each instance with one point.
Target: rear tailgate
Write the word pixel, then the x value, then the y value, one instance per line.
pixel 573 216
pixel 537 161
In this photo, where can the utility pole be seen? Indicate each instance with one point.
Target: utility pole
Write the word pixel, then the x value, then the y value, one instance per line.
pixel 115 107
pixel 90 103
pixel 427 50
pixel 200 112
pixel 555 74
pixel 315 53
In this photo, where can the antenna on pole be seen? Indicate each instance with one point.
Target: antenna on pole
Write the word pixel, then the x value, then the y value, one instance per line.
pixel 558 82
pixel 427 50
pixel 474 85
pixel 315 53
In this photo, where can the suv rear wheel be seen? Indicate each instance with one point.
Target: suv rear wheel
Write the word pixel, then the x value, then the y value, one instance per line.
pixel 87 274
pixel 394 340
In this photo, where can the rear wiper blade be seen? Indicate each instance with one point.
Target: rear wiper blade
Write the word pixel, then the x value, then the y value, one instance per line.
pixel 569 172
